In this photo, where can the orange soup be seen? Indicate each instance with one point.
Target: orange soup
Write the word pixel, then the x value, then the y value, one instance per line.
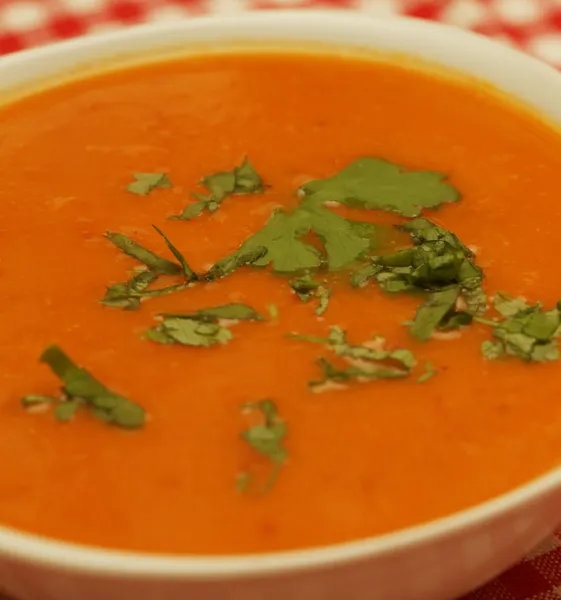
pixel 343 323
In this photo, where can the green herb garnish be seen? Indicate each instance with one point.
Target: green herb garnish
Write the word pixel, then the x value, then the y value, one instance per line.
pixel 233 312
pixel 189 274
pixel 375 361
pixel 332 373
pixel 189 332
pixel 438 263
pixel 344 241
pixel 378 184
pixel 146 182
pixel 306 287
pixel 526 331
pixel 268 437
pixel 157 264
pixel 242 180
pixel 430 372
pixel 32 400
pixel 80 388
pixel 273 311
pixel 127 295
pixel 434 310
pixel 228 265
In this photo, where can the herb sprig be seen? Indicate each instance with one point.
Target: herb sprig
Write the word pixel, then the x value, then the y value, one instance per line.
pixel 374 183
pixel 241 180
pixel 267 438
pixel 82 389
pixel 526 331
pixel 371 360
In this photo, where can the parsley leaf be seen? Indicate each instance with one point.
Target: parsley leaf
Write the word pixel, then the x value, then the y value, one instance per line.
pixel 146 182
pixel 80 388
pixel 378 184
pixel 526 331
pixel 242 180
pixel 189 332
pixel 267 438
pixel 234 312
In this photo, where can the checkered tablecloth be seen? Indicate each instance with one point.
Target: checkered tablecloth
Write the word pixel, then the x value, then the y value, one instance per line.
pixel 533 25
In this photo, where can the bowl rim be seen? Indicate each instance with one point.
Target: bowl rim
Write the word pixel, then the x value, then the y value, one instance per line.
pixel 29 547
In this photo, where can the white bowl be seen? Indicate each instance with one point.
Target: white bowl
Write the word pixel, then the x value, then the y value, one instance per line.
pixel 436 561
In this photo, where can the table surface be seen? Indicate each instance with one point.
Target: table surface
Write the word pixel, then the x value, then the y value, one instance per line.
pixel 533 25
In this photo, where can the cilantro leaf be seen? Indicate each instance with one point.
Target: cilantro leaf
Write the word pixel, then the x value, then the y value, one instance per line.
pixel 127 294
pixel 155 263
pixel 241 258
pixel 268 437
pixel 429 373
pixel 281 238
pixel 273 311
pixel 189 332
pixel 345 375
pixel 434 311
pixel 344 241
pixel 81 389
pixel 242 180
pixel 37 399
pixel 306 287
pixel 378 184
pixel 437 262
pixel 526 331
pixel 65 411
pixel 146 182
pixel 371 360
pixel 234 312
pixel 190 275
pixel 323 295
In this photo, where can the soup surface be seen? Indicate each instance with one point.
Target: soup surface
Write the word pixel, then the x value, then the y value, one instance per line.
pixel 358 456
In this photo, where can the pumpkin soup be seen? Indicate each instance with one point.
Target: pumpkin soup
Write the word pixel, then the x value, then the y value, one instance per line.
pixel 263 301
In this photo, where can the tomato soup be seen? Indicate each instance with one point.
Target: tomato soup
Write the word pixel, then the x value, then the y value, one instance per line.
pixel 377 240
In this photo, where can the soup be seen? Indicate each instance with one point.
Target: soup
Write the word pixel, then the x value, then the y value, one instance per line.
pixel 332 331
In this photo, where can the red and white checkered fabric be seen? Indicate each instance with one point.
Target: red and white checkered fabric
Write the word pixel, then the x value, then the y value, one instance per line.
pixel 533 25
